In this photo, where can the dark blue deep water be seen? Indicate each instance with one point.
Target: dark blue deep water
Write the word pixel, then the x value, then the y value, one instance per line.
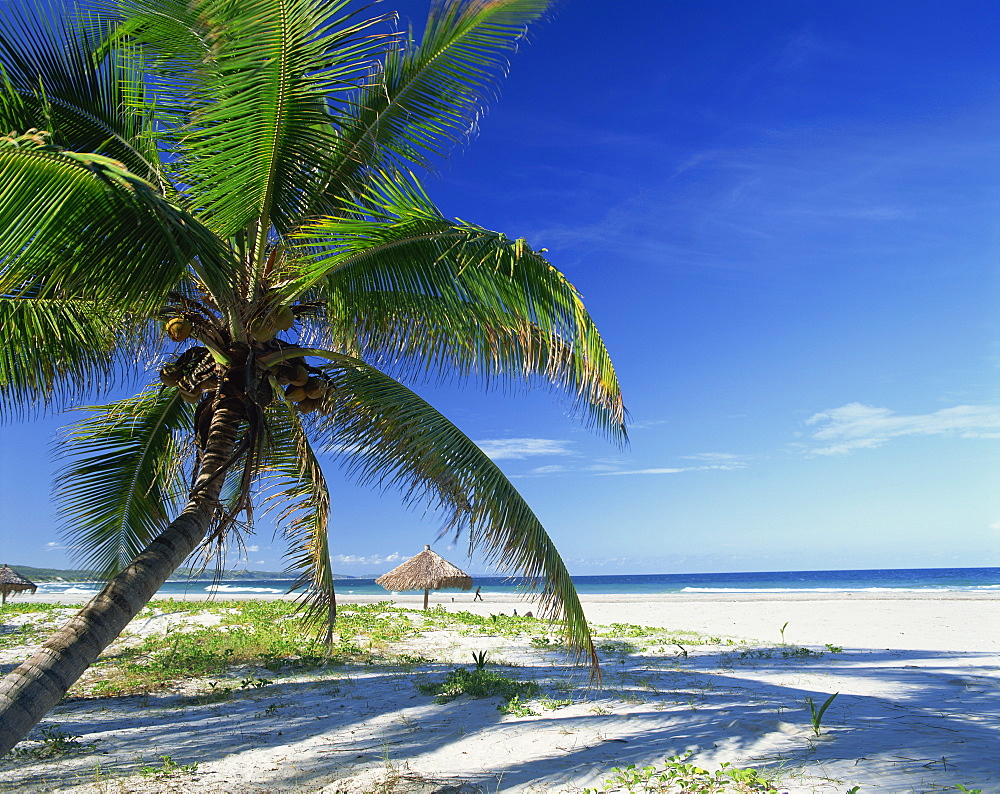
pixel 898 579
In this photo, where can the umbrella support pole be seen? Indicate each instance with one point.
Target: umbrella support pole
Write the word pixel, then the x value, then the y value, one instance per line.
pixel 427 593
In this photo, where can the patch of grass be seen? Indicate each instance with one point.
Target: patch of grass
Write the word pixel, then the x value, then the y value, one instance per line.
pixel 262 634
pixel 617 648
pixel 480 683
pixel 675 774
pixel 496 625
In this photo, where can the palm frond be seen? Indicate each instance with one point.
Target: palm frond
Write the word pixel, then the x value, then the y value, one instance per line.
pixel 298 494
pixel 429 95
pixel 388 436
pixel 123 481
pixel 406 284
pixel 260 129
pixel 50 80
pixel 81 225
pixel 56 351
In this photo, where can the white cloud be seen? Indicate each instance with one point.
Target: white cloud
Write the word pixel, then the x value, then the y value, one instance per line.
pixel 995 526
pixel 371 559
pixel 648 471
pixel 253 548
pixel 719 460
pixel 520 448
pixel 859 426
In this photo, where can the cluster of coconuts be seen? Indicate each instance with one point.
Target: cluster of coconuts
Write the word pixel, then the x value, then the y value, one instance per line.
pixel 266 326
pixel 190 392
pixel 301 387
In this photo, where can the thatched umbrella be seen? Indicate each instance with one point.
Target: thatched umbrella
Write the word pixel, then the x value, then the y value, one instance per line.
pixel 12 582
pixel 427 571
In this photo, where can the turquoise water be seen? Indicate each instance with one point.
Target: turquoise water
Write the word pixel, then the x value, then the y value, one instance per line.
pixel 893 579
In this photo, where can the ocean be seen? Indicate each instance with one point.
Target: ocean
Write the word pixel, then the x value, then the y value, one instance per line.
pixel 887 580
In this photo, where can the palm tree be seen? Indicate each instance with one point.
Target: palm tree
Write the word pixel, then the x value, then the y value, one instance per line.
pixel 225 192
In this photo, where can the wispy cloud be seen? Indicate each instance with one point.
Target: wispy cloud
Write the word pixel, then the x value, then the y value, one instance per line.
pixel 720 460
pixel 648 471
pixel 371 559
pixel 520 448
pixel 858 426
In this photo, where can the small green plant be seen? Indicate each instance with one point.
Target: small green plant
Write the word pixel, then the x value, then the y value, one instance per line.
pixel 678 775
pixel 816 715
pixel 480 659
pixel 962 788
pixel 853 790
pixel 54 742
pixel 254 683
pixel 834 648
pixel 783 631
pixel 517 707
pixel 550 704
pixel 800 652
pixel 169 767
pixel 478 684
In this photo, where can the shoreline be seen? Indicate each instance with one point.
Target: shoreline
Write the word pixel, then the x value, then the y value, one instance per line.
pixel 953 620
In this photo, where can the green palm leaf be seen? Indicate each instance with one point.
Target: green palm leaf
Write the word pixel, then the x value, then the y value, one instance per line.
pixel 261 127
pixel 388 436
pixel 405 283
pixel 51 81
pixel 298 494
pixel 54 352
pixel 428 96
pixel 82 225
pixel 123 480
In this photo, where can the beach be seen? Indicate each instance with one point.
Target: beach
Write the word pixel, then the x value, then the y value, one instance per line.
pixel 723 677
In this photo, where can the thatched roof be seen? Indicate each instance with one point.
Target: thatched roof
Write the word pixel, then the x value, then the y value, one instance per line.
pixel 12 582
pixel 426 571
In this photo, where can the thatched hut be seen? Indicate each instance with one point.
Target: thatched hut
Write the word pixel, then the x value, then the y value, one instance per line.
pixel 427 571
pixel 12 582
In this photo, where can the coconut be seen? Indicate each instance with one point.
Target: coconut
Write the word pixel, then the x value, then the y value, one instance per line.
pixel 300 376
pixel 295 394
pixel 169 375
pixel 315 388
pixel 190 396
pixel 178 329
pixel 262 330
pixel 307 406
pixel 283 318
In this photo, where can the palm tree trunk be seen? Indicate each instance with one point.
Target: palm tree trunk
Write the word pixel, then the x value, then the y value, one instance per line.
pixel 27 693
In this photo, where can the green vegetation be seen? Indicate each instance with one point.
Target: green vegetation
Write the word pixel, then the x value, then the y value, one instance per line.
pixel 167 768
pixel 816 714
pixel 479 683
pixel 255 634
pixel 54 743
pixel 675 775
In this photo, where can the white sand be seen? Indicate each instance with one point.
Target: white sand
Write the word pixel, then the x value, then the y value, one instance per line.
pixel 918 710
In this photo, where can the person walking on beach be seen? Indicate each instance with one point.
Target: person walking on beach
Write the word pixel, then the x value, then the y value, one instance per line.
pixel 478 596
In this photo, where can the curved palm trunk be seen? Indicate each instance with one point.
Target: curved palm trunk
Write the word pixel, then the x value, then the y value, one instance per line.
pixel 27 693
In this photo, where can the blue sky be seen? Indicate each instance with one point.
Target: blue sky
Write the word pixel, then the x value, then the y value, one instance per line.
pixel 783 216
